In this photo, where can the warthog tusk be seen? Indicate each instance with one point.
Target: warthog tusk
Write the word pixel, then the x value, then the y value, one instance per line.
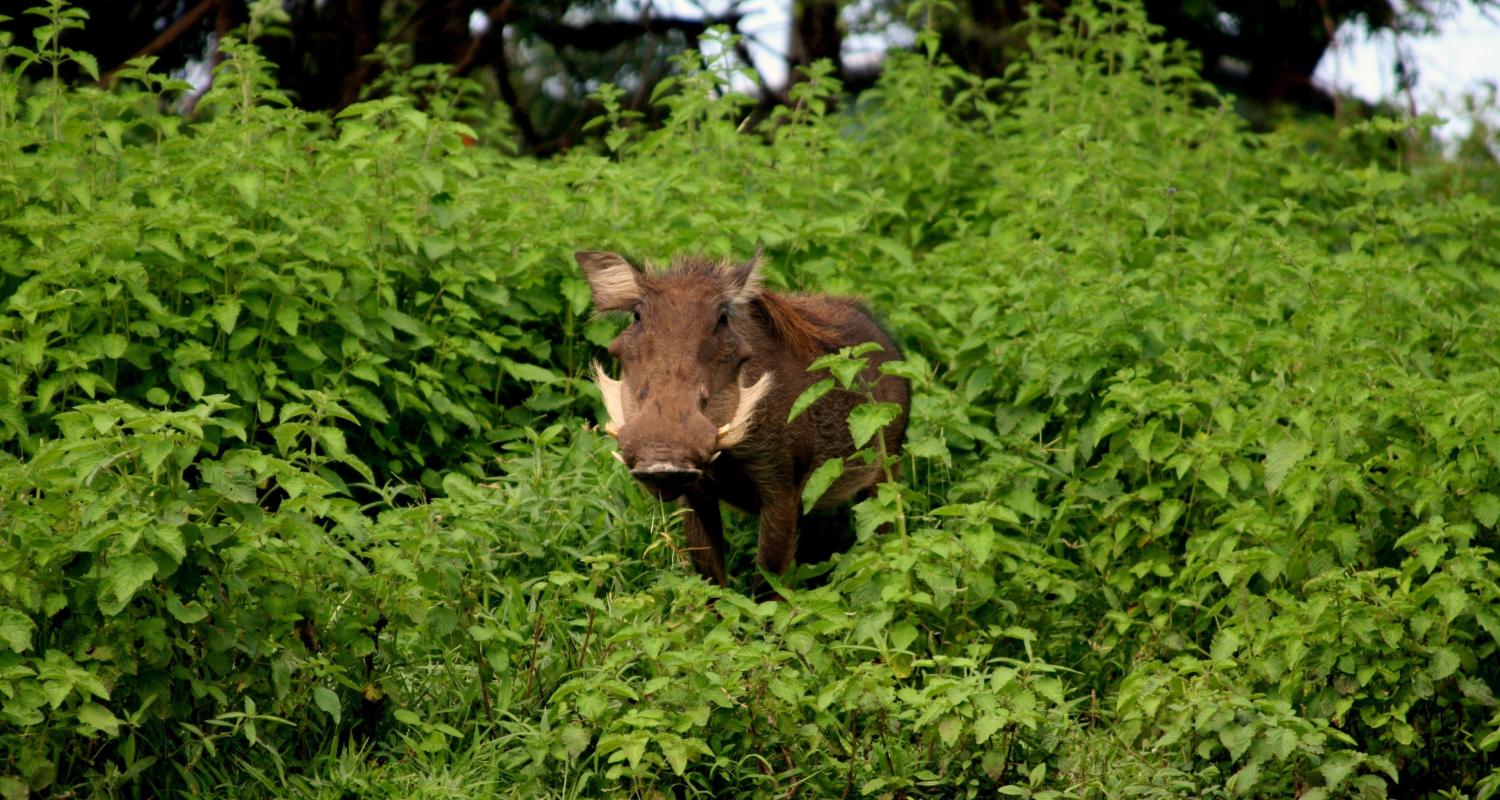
pixel 614 402
pixel 715 456
pixel 736 429
pixel 618 457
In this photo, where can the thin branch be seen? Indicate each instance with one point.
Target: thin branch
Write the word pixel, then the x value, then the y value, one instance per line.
pixel 498 17
pixel 168 36
pixel 493 40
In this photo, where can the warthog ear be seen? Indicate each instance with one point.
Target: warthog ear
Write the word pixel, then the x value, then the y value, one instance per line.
pixel 613 283
pixel 745 279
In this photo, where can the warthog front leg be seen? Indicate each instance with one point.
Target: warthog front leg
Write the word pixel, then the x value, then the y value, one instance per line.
pixel 704 530
pixel 778 537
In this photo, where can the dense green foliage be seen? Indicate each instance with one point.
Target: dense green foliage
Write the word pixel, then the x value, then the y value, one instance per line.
pixel 297 494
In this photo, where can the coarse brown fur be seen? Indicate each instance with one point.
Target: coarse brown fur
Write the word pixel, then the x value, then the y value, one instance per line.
pixel 704 334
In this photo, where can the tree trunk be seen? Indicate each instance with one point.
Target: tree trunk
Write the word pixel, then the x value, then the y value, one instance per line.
pixel 816 33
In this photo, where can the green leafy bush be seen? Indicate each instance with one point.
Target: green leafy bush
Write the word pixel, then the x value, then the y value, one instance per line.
pixel 297 493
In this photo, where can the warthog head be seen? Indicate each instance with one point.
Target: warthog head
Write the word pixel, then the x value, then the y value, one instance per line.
pixel 682 397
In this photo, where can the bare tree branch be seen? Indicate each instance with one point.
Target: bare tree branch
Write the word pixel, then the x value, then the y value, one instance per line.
pixel 174 31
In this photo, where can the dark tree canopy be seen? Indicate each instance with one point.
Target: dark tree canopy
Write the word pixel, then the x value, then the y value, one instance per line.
pixel 543 58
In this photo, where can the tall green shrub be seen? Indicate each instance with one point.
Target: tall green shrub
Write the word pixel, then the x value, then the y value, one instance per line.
pixel 296 494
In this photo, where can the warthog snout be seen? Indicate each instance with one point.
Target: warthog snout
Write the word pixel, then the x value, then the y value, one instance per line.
pixel 668 442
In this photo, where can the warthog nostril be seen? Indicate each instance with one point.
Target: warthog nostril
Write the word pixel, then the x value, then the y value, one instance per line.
pixel 666 477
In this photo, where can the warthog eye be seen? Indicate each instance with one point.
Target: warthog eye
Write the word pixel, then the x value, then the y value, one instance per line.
pixel 723 316
pixel 635 313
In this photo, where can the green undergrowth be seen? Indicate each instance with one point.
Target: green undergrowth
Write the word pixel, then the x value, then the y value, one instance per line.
pixel 299 496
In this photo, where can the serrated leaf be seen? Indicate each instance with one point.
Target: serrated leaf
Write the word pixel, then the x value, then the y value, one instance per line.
pixel 809 396
pixel 127 574
pixel 227 314
pixel 575 739
pixel 1236 739
pixel 99 718
pixel 169 539
pixel 435 247
pixel 985 727
pixel 287 317
pixel 191 381
pixel 1444 662
pixel 1225 645
pixel 1280 460
pixel 676 751
pixel 248 186
pixel 529 372
pixel 1216 478
pixel 819 481
pixel 15 629
pixel 867 419
pixel 189 613
pixel 87 61
pixel 950 729
pixel 1486 509
pixel 113 345
pixel 1337 769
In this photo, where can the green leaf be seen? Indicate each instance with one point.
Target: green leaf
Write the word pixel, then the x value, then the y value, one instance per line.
pixel 1216 478
pixel 227 314
pixel 87 61
pixel 676 751
pixel 903 635
pixel 809 396
pixel 1486 509
pixel 949 729
pixel 113 345
pixel 98 718
pixel 985 727
pixel 1339 766
pixel 575 739
pixel 819 481
pixel 327 700
pixel 867 419
pixel 248 186
pixel 287 317
pixel 529 372
pixel 435 247
pixel 1445 662
pixel 33 348
pixel 127 574
pixel 1281 458
pixel 154 452
pixel 15 629
pixel 189 613
pixel 169 539
pixel 191 381
pixel 1225 645
pixel 1236 739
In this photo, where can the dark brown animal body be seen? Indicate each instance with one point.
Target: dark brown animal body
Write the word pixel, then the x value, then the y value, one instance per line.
pixel 710 366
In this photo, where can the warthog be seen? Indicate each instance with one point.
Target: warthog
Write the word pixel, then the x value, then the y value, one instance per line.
pixel 710 366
